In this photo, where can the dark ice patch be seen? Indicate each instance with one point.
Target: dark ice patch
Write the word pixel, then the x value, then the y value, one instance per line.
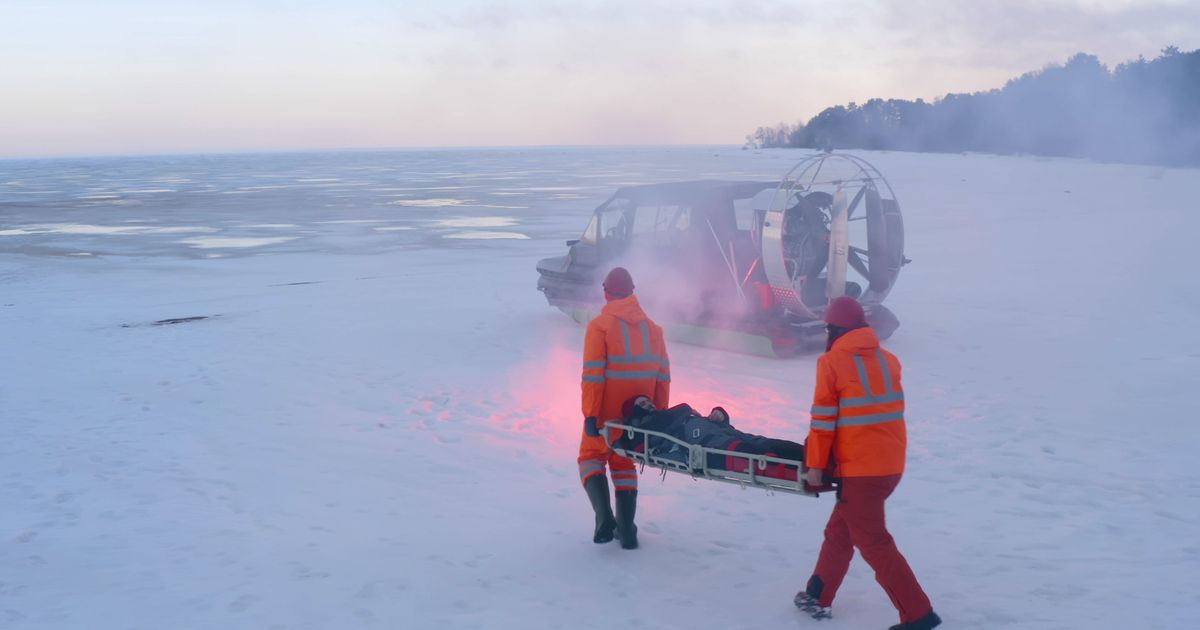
pixel 171 320
pixel 180 320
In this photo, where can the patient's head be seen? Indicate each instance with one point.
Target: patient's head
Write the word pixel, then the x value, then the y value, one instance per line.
pixel 718 414
pixel 637 407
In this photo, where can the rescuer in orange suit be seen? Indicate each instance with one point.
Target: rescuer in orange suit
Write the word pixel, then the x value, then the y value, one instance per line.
pixel 624 356
pixel 858 420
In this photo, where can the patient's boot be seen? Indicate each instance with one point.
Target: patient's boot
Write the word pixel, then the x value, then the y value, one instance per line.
pixel 626 507
pixel 597 491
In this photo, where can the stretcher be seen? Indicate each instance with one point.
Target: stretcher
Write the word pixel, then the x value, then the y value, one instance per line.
pixel 697 460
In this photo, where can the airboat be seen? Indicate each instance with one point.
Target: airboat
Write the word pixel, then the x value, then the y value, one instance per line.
pixel 748 266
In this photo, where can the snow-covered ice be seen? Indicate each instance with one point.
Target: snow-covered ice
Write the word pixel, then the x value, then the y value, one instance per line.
pixel 376 427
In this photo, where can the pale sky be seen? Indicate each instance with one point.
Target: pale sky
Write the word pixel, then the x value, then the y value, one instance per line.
pixel 163 76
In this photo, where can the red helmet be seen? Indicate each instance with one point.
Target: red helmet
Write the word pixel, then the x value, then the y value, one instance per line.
pixel 845 312
pixel 618 284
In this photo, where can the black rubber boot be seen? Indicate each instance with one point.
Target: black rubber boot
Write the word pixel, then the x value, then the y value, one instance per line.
pixel 626 508
pixel 809 600
pixel 928 622
pixel 597 492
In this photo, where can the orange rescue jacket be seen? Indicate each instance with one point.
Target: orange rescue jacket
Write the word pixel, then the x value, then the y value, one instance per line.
pixel 858 409
pixel 624 355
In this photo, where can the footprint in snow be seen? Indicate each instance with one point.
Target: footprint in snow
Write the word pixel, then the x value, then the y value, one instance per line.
pixel 242 603
pixel 728 546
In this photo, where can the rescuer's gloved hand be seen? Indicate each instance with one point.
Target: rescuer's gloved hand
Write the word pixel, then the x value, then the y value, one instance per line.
pixel 815 477
pixel 590 427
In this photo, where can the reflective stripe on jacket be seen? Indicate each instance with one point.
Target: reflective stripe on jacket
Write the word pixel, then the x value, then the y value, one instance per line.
pixel 858 409
pixel 624 355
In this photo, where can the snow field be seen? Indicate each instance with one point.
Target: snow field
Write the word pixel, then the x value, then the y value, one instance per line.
pixel 388 440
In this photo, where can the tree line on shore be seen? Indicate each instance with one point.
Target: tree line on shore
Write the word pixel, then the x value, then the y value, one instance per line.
pixel 1145 111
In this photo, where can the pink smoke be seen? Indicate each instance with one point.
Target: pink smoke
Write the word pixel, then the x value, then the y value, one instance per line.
pixel 545 395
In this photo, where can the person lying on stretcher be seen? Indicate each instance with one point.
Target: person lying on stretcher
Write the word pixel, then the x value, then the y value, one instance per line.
pixel 713 431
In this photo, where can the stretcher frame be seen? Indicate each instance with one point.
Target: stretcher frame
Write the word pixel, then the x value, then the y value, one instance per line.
pixel 697 461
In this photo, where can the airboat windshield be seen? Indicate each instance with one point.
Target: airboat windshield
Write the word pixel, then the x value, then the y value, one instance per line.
pixel 590 232
pixel 623 221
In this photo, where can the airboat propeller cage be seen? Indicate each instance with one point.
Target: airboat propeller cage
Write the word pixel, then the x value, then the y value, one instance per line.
pixel 863 228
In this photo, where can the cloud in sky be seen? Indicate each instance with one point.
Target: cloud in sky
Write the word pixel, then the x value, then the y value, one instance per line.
pixel 139 76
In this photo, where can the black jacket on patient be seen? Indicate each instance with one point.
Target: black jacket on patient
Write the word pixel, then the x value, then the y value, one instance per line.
pixel 685 423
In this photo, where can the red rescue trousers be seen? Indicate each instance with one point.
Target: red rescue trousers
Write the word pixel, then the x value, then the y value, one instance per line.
pixel 858 521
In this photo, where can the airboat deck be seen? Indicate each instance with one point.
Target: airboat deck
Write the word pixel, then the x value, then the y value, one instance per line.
pixel 696 462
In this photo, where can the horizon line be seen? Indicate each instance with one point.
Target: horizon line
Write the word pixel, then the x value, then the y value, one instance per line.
pixel 281 151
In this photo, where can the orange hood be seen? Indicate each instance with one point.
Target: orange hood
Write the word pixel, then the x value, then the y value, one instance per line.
pixel 627 310
pixel 858 341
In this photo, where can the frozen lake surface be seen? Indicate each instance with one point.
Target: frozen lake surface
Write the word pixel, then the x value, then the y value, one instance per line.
pixel 376 423
pixel 348 202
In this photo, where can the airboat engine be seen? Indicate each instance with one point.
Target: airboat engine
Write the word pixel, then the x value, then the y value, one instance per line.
pixel 832 228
